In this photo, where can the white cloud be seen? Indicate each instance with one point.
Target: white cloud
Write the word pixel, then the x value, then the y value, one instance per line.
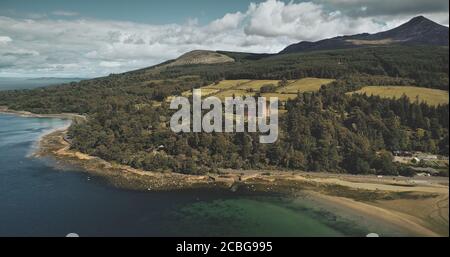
pixel 64 13
pixel 387 7
pixel 92 47
pixel 5 39
pixel 101 47
pixel 303 21
pixel 109 64
pixel 229 21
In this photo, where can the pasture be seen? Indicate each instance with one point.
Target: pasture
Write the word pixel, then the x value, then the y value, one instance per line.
pixel 304 85
pixel 245 87
pixel 428 95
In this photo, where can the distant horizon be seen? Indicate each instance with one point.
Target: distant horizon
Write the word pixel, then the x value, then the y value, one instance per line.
pixel 30 78
pixel 12 83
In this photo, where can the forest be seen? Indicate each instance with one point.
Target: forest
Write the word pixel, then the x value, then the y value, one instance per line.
pixel 324 131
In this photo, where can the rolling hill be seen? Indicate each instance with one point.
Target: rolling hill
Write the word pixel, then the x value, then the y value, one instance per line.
pixel 200 57
pixel 428 95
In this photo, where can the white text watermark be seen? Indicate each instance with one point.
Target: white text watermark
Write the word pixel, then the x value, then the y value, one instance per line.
pixel 259 114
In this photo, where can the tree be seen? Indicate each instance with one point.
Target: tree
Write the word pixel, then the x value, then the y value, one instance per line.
pixel 384 163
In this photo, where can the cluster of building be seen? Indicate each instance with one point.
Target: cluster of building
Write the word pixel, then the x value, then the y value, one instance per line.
pixel 425 164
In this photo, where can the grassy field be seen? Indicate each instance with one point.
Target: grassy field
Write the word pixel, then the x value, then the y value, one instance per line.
pixel 236 92
pixel 428 95
pixel 281 97
pixel 255 85
pixel 205 92
pixel 227 84
pixel 245 87
pixel 304 85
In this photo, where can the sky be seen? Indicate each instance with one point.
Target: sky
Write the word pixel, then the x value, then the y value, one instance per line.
pixel 89 38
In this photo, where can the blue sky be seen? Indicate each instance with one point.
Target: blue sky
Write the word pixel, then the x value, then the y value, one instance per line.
pixel 145 11
pixel 94 38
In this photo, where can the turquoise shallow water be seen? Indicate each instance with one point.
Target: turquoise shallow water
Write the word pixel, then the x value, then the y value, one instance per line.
pixel 37 199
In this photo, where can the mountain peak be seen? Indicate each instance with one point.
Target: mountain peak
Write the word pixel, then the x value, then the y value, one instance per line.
pixel 419 18
pixel 420 21
pixel 417 31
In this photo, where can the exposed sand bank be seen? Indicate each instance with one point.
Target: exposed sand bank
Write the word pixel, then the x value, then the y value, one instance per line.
pixel 69 116
pixel 414 217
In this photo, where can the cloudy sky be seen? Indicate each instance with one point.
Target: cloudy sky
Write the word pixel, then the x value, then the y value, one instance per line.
pixel 94 38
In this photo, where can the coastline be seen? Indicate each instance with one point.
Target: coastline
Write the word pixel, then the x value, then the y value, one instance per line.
pixel 417 206
pixel 65 116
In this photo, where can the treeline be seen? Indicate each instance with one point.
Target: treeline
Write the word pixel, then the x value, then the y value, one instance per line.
pixel 351 133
